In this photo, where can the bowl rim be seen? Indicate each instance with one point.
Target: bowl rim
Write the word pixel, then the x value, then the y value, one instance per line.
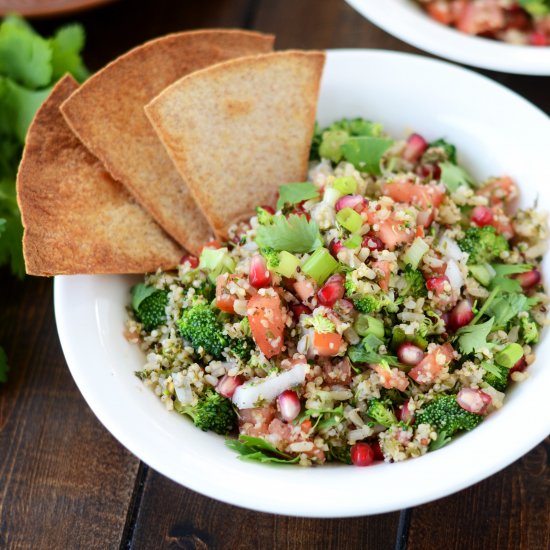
pixel 273 478
pixel 410 24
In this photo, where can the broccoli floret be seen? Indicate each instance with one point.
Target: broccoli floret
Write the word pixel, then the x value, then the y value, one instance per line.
pixel 483 244
pixel 264 217
pixel 201 328
pixel 212 412
pixel 416 285
pixel 529 330
pixel 382 413
pixel 349 284
pixel 271 256
pixel 149 305
pixel 496 376
pixel 370 303
pixel 242 348
pixel 447 417
pixel 339 454
pixel 320 323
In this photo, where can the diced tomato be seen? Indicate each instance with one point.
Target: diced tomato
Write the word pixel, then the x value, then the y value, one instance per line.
pixel 384 267
pixel 337 374
pixel 538 39
pixel 267 323
pixel 304 289
pixel 224 299
pixel 479 18
pixel 392 233
pixel 193 261
pixel 326 344
pixel 440 11
pixel 391 377
pixel 423 196
pixel 428 369
pixel 256 421
pixel 500 192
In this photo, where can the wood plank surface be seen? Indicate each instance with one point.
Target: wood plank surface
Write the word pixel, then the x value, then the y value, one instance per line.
pixel 66 483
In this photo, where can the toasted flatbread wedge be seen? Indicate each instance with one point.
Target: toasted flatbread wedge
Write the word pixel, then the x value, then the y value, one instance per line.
pixel 238 130
pixel 106 113
pixel 76 218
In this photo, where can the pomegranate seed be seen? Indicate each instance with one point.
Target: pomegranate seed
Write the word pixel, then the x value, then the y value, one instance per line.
pixel 289 405
pixel 409 354
pixel 482 216
pixel 336 278
pixel 299 211
pixel 193 261
pixel 259 276
pixel 357 202
pixel 436 172
pixel 520 366
pixel 415 147
pixel 405 413
pixel 362 454
pixel 335 246
pixel 460 315
pixel 228 384
pixel 300 309
pixel 372 243
pixel 268 208
pixel 378 454
pixel 437 284
pixel 529 279
pixel 330 293
pixel 474 401
pixel 538 39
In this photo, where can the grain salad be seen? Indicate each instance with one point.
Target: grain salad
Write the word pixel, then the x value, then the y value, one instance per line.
pixel 373 313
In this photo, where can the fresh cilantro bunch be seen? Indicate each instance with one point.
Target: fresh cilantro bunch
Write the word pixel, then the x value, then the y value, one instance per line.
pixel 30 65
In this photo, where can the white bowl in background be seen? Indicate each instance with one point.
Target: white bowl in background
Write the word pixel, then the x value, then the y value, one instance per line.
pixel 406 20
pixel 496 132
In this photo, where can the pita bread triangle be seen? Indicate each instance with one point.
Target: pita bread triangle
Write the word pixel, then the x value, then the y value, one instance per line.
pixel 106 113
pixel 76 218
pixel 239 129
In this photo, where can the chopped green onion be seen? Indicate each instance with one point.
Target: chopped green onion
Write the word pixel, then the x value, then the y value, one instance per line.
pixel 367 324
pixel 320 265
pixel 216 261
pixel 349 219
pixel 287 264
pixel 483 273
pixel 347 185
pixel 509 356
pixel 353 242
pixel 414 254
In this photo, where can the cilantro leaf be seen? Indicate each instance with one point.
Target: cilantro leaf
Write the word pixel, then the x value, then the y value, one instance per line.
pixel 258 449
pixel 4 368
pixel 472 338
pixel 503 279
pixel 294 193
pixel 293 234
pixel 66 46
pixel 367 352
pixel 454 176
pixel 506 306
pixel 366 152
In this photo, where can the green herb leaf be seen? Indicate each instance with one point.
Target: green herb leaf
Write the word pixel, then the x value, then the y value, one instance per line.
pixel 294 193
pixel 365 152
pixel 454 176
pixel 472 338
pixel 441 441
pixel 293 234
pixel 506 307
pixel 3 366
pixel 66 46
pixel 367 352
pixel 259 450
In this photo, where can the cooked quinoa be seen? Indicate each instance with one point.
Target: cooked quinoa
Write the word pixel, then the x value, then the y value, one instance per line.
pixel 375 312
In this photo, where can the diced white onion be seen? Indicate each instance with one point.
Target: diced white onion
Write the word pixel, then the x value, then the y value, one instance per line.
pixel 267 389
pixel 454 275
pixel 331 195
pixel 184 394
pixel 450 249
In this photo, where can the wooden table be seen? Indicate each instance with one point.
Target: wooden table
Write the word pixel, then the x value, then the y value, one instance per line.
pixel 66 483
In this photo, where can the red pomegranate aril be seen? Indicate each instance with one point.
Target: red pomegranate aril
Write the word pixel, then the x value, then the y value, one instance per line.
pixel 356 202
pixel 482 216
pixel 289 405
pixel 193 261
pixel 538 39
pixel 336 278
pixel 259 276
pixel 520 366
pixel 268 208
pixel 372 243
pixel 460 315
pixel 409 354
pixel 472 400
pixel 330 293
pixel 414 148
pixel 300 309
pixel 377 451
pixel 529 279
pixel 437 284
pixel 405 413
pixel 362 454
pixel 228 384
pixel 335 246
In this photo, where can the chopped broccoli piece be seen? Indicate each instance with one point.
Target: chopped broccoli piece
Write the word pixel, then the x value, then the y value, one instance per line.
pixel 242 348
pixel 321 324
pixel 381 413
pixel 339 454
pixel 271 257
pixel 201 328
pixel 483 244
pixel 416 285
pixel 444 414
pixel 149 305
pixel 529 330
pixel 448 148
pixel 264 217
pixel 496 376
pixel 370 303
pixel 213 412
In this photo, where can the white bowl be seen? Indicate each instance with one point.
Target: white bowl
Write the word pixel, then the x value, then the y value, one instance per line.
pixel 497 132
pixel 406 20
